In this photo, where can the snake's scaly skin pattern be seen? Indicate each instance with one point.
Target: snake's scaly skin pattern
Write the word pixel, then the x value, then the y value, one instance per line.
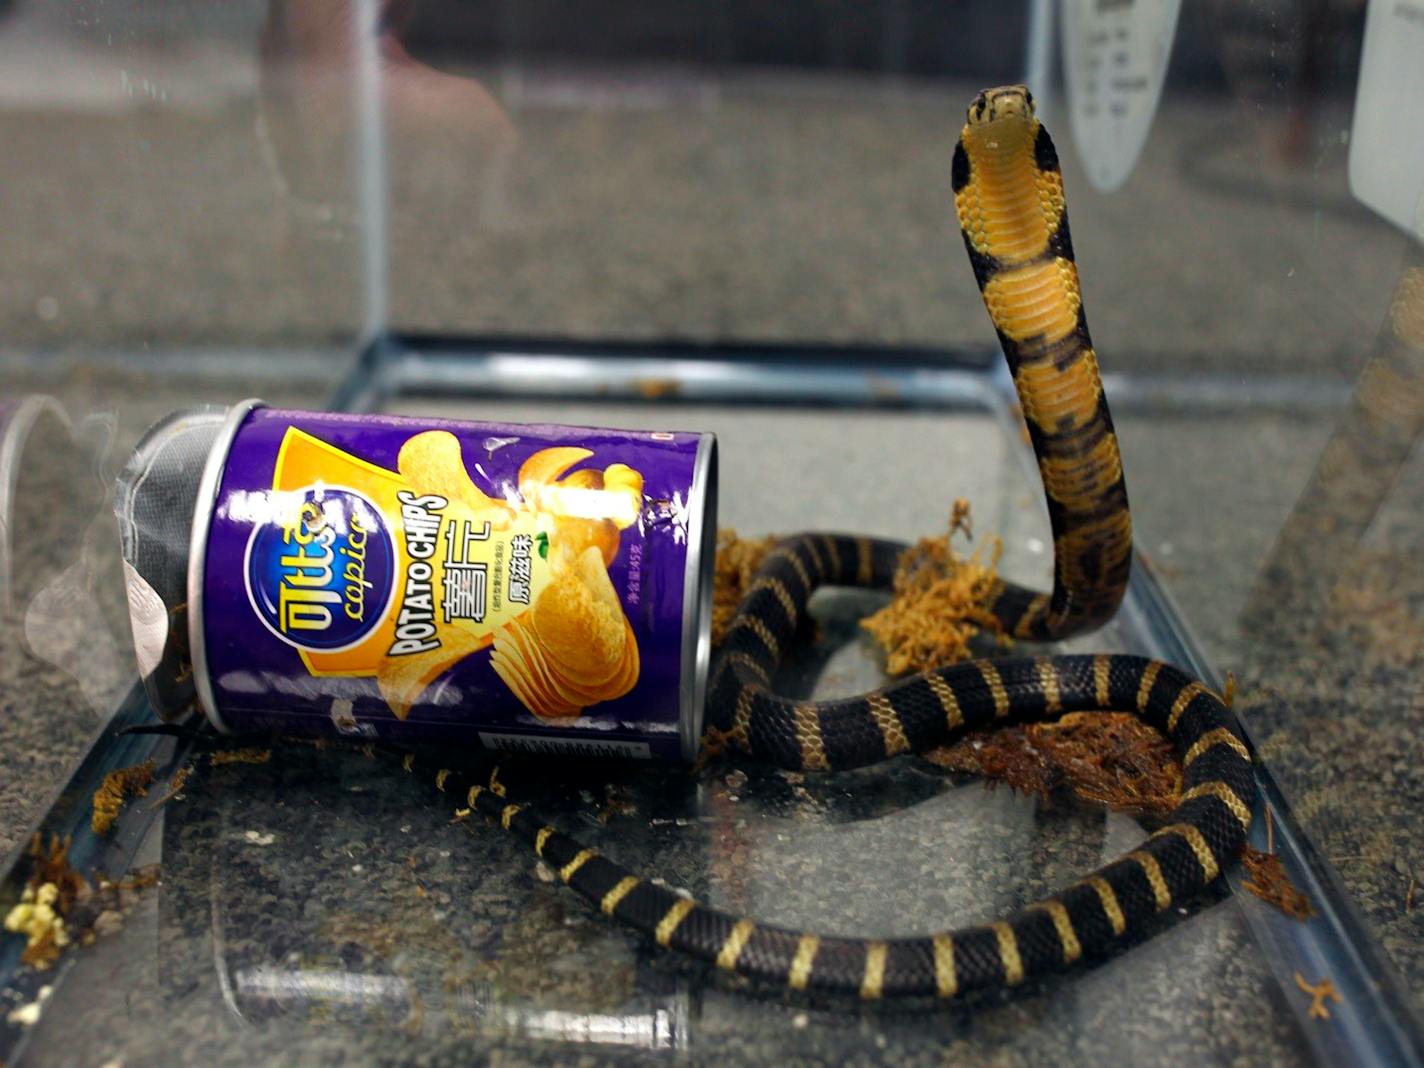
pixel 1010 199
pixel 1008 193
pixel 1082 921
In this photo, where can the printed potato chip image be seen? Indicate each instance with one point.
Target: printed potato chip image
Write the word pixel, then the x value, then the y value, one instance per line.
pixel 402 679
pixel 588 478
pixel 580 622
pixel 539 684
pixel 623 481
pixel 528 575
pixel 625 677
pixel 573 534
pixel 547 668
pixel 545 467
pixel 550 698
pixel 575 647
pixel 431 463
pixel 614 494
pixel 520 678
pixel 525 647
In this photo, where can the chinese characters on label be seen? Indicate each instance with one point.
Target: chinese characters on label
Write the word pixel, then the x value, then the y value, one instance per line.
pixel 519 549
pixel 464 579
pixel 635 574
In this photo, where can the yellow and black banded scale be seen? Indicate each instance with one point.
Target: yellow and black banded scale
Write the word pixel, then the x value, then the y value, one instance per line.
pixel 1009 195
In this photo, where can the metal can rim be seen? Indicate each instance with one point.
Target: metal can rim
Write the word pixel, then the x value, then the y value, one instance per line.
pixel 697 595
pixel 198 555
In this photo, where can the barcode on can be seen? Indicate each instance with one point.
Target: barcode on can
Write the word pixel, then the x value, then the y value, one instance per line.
pixel 531 743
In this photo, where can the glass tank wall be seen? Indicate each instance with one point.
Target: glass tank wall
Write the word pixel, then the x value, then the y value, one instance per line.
pixel 737 217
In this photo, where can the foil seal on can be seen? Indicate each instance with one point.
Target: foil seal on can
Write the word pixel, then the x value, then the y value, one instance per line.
pixel 539 588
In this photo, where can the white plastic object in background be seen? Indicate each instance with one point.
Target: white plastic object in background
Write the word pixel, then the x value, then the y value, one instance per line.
pixel 1115 55
pixel 1387 138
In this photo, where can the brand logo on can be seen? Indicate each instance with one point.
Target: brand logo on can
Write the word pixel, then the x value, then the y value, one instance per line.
pixel 319 572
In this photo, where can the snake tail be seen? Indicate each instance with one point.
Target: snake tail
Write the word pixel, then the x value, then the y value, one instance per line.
pixel 1083 921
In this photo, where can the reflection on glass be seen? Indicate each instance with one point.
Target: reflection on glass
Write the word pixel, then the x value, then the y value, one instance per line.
pixel 383 944
pixel 1319 567
pixel 55 545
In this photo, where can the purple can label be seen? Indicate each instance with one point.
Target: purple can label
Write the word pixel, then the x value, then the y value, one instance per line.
pixel 428 580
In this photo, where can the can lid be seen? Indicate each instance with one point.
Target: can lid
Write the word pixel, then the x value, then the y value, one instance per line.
pixel 154 502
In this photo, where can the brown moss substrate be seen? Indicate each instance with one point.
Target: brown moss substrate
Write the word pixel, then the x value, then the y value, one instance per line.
pixel 1108 758
pixel 1271 884
pixel 940 605
pixel 737 562
pixel 941 601
pixel 115 791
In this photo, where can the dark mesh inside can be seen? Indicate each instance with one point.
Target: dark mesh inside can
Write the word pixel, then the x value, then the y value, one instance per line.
pixel 154 502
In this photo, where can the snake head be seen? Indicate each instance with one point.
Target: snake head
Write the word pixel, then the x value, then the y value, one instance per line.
pixel 1004 102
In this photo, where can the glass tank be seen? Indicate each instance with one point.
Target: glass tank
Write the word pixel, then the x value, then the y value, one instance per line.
pixel 737 218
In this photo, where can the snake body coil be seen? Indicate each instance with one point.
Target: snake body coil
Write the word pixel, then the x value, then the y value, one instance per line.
pixel 1009 195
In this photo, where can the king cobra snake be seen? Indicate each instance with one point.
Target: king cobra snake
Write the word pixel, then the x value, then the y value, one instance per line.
pixel 1008 192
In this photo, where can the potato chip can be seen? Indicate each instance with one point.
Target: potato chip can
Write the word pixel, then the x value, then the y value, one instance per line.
pixel 522 587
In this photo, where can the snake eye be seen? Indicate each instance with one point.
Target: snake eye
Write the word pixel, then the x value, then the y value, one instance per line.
pixel 1028 97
